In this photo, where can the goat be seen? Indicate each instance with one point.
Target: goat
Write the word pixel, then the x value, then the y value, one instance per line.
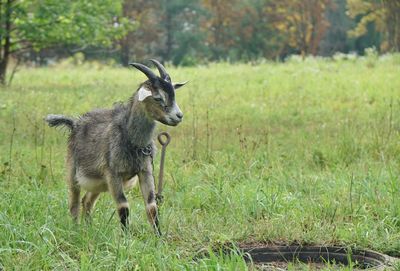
pixel 109 148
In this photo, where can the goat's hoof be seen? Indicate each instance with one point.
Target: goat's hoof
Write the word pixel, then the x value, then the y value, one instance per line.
pixel 125 227
pixel 158 232
pixel 87 219
pixel 159 199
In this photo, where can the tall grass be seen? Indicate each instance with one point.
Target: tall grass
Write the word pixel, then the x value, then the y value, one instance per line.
pixel 305 151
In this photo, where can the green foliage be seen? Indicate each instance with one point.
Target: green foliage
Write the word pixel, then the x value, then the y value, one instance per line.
pixel 46 23
pixel 306 151
pixel 27 26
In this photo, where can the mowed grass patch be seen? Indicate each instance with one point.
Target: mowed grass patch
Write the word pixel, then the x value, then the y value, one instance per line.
pixel 303 151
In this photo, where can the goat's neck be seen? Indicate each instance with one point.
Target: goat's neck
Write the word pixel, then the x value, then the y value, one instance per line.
pixel 140 126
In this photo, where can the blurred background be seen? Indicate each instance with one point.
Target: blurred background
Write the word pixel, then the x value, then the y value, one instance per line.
pixel 191 32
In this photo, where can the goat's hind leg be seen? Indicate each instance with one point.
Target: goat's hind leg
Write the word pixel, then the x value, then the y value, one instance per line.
pixel 74 192
pixel 88 202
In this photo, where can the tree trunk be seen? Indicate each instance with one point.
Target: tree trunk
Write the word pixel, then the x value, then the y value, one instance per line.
pixel 4 58
pixel 392 10
pixel 168 29
pixel 125 41
pixel 3 69
pixel 125 52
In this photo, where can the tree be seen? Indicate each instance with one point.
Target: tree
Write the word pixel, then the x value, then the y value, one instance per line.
pixel 336 39
pixel 392 20
pixel 220 24
pixel 252 31
pixel 384 15
pixel 167 30
pixel 179 24
pixel 302 23
pixel 138 41
pixel 44 23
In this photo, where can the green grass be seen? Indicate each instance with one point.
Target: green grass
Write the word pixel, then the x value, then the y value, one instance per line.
pixel 305 152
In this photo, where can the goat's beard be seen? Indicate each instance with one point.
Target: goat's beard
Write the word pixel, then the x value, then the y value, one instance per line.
pixel 169 122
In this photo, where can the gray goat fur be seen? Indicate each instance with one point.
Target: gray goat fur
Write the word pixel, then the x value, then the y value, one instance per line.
pixel 107 148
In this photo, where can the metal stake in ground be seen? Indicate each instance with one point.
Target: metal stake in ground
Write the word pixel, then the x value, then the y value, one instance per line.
pixel 164 143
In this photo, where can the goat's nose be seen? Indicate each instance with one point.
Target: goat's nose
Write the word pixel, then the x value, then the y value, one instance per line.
pixel 179 115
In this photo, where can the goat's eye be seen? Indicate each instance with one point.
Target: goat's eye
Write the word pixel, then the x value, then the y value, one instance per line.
pixel 158 99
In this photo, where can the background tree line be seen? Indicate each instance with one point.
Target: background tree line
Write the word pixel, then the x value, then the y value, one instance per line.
pixel 188 32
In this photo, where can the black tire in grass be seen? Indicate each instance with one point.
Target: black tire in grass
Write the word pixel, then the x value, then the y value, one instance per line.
pixel 360 259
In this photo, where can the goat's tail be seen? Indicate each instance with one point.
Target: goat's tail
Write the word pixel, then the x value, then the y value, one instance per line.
pixel 60 120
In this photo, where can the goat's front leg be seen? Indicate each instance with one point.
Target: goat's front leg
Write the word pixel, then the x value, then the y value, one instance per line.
pixel 115 187
pixel 146 180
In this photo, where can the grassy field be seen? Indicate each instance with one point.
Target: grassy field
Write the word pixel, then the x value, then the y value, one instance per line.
pixel 298 152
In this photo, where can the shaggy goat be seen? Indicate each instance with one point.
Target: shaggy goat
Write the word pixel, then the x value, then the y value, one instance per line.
pixel 107 148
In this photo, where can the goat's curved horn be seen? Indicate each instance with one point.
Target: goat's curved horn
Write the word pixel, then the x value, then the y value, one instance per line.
pixel 149 73
pixel 161 69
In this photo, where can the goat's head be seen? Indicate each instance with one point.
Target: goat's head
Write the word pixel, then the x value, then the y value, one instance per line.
pixel 158 95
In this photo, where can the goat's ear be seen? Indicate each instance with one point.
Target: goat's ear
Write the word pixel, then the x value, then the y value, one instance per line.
pixel 143 93
pixel 178 85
